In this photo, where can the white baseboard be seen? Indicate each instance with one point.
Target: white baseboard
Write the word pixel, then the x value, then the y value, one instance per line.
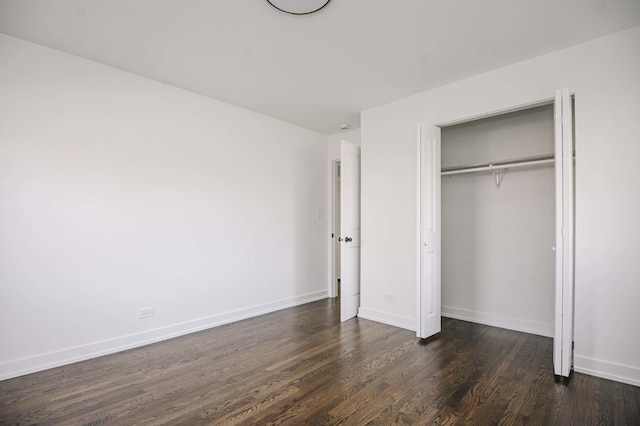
pixel 387 318
pixel 607 370
pixel 70 355
pixel 516 324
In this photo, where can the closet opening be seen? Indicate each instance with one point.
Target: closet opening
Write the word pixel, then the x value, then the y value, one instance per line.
pixel 498 221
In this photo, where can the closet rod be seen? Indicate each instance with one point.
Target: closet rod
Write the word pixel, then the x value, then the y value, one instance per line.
pixel 498 165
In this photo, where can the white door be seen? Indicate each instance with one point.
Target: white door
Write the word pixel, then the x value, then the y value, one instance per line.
pixel 563 336
pixel 429 321
pixel 350 230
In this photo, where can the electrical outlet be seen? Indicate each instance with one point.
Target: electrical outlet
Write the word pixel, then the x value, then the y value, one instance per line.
pixel 146 312
pixel 390 297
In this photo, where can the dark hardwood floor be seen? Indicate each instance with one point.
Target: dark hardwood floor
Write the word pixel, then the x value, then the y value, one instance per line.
pixel 301 366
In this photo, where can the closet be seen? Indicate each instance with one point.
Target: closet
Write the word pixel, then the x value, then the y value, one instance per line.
pixel 496 223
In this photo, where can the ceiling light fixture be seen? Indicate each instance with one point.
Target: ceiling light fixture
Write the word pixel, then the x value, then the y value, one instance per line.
pixel 299 7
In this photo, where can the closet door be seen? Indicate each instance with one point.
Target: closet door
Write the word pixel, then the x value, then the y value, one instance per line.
pixel 429 321
pixel 563 338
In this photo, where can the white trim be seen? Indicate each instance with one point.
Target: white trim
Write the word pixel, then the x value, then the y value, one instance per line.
pixel 607 370
pixel 502 321
pixel 66 356
pixel 333 285
pixel 401 321
pixel 497 112
pixel 419 228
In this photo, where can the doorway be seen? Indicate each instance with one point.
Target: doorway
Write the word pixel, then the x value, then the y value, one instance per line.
pixel 498 224
pixel 491 236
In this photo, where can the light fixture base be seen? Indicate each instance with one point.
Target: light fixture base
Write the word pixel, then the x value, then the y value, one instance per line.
pixel 298 7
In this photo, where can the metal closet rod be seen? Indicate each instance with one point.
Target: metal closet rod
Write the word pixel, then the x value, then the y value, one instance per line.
pixel 497 165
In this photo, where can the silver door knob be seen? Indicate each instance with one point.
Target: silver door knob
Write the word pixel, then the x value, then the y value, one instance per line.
pixel 348 239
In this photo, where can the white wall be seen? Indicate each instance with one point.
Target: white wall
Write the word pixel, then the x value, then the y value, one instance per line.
pixel 119 193
pixel 333 153
pixel 604 76
pixel 497 264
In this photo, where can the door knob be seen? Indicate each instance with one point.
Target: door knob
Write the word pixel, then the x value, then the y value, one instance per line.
pixel 348 239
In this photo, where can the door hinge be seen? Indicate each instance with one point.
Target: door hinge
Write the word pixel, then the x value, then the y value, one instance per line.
pixel 331 235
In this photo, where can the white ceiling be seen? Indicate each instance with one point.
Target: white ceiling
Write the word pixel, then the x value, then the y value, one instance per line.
pixel 318 71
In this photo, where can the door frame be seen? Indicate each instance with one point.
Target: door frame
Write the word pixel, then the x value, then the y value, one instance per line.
pixel 335 217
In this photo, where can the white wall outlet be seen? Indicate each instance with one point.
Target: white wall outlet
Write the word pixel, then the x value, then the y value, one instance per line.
pixel 146 312
pixel 390 297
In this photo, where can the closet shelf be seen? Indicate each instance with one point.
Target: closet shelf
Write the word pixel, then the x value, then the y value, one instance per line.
pixel 498 165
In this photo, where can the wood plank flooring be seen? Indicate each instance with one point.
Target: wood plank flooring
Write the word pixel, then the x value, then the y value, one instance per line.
pixel 301 366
